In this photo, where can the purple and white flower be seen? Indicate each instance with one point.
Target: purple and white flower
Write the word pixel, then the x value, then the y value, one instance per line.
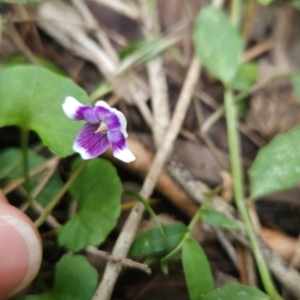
pixel 105 126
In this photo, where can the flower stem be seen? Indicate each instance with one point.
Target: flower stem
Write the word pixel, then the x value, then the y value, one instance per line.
pixel 24 145
pixel 46 212
pixel 236 168
pixel 152 214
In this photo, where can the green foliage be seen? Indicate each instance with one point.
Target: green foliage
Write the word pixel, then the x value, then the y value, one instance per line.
pixel 196 270
pixel 233 291
pixel 296 3
pixel 18 59
pixel 11 163
pixel 145 50
pixel 75 279
pixel 137 46
pixel 265 2
pixel 217 43
pixel 246 76
pixel 98 191
pixel 296 85
pixel 11 167
pixel 50 190
pixel 277 166
pixel 101 90
pixel 217 219
pixel 152 242
pixel 31 98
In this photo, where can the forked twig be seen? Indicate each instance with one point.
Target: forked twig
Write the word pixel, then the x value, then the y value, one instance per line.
pixel 126 262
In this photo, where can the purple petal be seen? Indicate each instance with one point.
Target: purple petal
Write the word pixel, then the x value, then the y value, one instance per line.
pixel 90 144
pixel 102 110
pixel 122 120
pixel 77 111
pixel 113 122
pixel 119 147
pixel 74 109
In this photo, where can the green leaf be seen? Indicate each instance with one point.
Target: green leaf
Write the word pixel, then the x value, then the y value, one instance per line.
pixel 11 167
pixel 246 76
pixel 217 219
pixel 101 90
pixel 0 28
pixel 277 166
pixel 196 270
pixel 234 291
pixel 18 59
pixel 296 85
pixel 31 97
pixel 152 242
pixel 265 2
pixel 75 279
pixel 296 4
pixel 50 190
pixel 146 46
pixel 98 191
pixel 217 43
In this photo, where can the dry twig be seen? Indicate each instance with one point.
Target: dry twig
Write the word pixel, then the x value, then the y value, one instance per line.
pixel 126 262
pixel 157 77
pixel 128 233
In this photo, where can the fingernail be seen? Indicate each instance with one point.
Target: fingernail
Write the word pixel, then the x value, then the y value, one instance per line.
pixel 20 254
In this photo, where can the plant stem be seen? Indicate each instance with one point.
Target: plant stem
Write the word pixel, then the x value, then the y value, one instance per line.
pixel 191 226
pixel 236 169
pixel 46 212
pixel 24 145
pixel 236 11
pixel 152 214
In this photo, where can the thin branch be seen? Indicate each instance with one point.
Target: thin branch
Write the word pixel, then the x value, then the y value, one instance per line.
pixel 100 35
pixel 128 233
pixel 126 262
pixel 49 164
pixel 197 190
pixel 127 9
pixel 157 77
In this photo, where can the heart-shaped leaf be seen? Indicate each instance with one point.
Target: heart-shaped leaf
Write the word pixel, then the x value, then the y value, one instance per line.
pixel 217 43
pixel 31 98
pixel 98 191
pixel 277 166
pixel 75 279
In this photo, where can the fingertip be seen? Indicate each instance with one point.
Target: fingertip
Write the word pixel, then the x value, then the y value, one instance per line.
pixel 3 199
pixel 20 250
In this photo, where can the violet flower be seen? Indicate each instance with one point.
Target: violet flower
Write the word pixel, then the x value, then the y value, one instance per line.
pixel 105 126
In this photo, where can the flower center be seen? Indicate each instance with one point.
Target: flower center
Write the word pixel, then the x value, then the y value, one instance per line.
pixel 102 127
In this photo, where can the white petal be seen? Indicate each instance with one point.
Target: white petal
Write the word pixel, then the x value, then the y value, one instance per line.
pixel 70 106
pixel 124 154
pixel 82 151
pixel 103 104
pixel 122 120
